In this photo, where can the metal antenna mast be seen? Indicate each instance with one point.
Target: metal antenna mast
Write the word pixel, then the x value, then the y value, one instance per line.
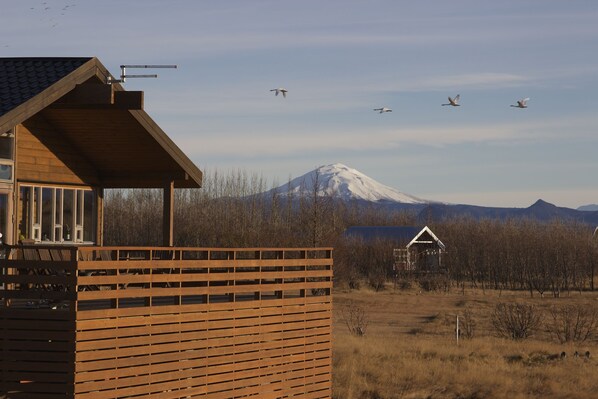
pixel 124 76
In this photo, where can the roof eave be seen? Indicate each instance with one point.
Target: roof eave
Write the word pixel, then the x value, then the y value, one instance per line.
pixel 193 172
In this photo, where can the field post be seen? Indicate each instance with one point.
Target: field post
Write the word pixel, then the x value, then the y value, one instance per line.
pixel 457 330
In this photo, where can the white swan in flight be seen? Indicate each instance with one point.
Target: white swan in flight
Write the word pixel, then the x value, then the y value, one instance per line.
pixel 454 101
pixel 280 90
pixel 521 103
pixel 383 109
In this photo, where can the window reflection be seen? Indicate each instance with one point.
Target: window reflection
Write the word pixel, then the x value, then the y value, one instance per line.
pixel 67 212
pixel 47 214
pixel 5 172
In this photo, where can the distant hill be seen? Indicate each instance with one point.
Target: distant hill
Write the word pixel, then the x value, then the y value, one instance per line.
pixel 590 208
pixel 540 211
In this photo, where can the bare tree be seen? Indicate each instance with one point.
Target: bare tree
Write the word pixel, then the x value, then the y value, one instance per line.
pixel 515 320
pixel 575 323
pixel 355 318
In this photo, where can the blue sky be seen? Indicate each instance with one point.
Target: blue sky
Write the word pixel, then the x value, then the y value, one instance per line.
pixel 339 60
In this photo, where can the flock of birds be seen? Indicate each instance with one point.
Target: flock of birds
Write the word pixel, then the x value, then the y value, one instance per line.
pixel 51 13
pixel 452 101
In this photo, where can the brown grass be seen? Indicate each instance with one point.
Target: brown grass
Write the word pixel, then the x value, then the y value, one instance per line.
pixel 410 351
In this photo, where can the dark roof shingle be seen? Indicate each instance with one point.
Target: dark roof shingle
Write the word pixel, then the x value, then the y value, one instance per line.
pixel 23 78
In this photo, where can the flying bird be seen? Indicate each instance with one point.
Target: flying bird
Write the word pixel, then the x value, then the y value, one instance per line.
pixel 280 90
pixel 521 103
pixel 383 109
pixel 454 101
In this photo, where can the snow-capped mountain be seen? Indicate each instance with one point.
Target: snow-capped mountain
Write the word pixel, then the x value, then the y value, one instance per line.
pixel 341 182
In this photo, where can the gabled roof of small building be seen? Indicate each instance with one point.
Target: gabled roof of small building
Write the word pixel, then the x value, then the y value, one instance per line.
pixel 408 235
pixel 104 122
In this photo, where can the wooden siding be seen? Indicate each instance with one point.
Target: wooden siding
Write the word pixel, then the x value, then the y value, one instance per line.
pixel 44 155
pixel 167 323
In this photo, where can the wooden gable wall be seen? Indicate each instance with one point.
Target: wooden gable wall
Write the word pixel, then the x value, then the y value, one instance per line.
pixel 43 155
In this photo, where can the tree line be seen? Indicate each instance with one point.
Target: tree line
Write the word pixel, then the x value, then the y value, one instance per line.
pixel 231 211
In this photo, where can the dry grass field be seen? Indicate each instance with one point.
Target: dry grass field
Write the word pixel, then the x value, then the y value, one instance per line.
pixel 409 349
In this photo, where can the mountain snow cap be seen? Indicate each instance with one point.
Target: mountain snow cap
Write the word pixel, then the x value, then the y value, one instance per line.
pixel 345 183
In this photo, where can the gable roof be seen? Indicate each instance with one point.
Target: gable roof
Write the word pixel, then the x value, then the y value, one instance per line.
pixel 126 147
pixel 408 235
pixel 21 79
pixel 420 238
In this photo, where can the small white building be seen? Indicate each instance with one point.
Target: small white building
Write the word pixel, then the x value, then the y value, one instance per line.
pixel 417 249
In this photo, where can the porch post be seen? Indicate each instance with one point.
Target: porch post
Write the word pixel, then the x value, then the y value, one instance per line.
pixel 168 215
pixel 100 217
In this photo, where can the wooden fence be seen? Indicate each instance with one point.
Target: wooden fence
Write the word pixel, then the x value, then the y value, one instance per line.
pixel 168 323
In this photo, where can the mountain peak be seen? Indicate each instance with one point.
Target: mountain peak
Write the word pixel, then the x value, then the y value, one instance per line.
pixel 340 181
pixel 542 204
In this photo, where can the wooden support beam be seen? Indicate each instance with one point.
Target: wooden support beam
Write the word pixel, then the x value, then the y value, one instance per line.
pixel 128 99
pixel 145 180
pixel 99 96
pixel 168 215
pixel 89 94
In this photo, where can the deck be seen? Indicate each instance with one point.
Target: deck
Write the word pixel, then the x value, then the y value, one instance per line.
pixel 168 323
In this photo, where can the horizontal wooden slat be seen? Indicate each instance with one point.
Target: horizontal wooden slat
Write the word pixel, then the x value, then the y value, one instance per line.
pixel 191 308
pixel 190 291
pixel 170 318
pixel 137 278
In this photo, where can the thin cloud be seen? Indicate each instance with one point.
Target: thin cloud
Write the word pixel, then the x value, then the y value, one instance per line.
pixel 264 142
pixel 484 80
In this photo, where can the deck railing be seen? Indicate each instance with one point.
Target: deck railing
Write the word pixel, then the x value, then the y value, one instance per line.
pixel 118 322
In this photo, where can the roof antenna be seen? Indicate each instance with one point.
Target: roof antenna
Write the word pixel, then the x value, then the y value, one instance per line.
pixel 124 76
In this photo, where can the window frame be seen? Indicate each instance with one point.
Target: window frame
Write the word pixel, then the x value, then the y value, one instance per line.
pixel 75 227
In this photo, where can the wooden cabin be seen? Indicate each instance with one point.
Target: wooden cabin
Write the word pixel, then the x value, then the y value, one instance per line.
pixel 66 134
pixel 417 249
pixel 79 320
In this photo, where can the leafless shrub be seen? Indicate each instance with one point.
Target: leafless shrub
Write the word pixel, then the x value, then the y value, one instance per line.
pixel 355 318
pixel 434 283
pixel 515 320
pixel 377 280
pixel 575 323
pixel 467 325
pixel 404 284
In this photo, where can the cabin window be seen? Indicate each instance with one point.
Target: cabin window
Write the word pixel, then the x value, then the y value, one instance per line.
pixel 56 214
pixel 3 214
pixel 7 141
pixel 5 172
